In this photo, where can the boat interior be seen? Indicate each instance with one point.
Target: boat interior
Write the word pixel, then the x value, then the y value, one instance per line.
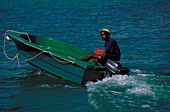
pixel 57 47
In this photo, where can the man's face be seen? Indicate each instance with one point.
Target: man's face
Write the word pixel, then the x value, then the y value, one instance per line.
pixel 104 36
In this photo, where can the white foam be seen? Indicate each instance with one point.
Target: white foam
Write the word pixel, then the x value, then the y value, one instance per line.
pixel 120 79
pixel 92 101
pixel 141 73
pixel 136 70
pixel 45 86
pixel 117 83
pixel 69 86
pixel 48 86
pixel 140 91
pixel 119 88
pixel 145 106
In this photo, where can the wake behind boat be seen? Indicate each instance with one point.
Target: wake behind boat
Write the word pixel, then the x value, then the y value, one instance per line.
pixel 61 59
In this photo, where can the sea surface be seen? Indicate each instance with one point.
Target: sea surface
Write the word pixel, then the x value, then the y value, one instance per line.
pixel 141 28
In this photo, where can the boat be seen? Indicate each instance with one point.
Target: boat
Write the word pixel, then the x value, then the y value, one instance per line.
pixel 58 58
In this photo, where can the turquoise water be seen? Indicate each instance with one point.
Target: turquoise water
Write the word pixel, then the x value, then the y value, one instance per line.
pixel 141 29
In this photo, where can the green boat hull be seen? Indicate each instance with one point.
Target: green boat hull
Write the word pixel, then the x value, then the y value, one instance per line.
pixel 56 57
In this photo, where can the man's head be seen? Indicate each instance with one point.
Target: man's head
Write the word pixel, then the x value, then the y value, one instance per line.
pixel 105 34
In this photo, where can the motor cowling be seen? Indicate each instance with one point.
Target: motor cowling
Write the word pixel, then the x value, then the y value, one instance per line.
pixel 112 66
pixel 116 67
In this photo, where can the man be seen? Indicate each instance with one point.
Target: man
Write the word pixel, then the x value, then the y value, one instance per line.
pixel 111 52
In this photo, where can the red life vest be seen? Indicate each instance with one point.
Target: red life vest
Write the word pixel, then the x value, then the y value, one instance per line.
pixel 98 51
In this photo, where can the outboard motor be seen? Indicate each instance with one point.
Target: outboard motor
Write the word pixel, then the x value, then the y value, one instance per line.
pixel 115 67
pixel 112 66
